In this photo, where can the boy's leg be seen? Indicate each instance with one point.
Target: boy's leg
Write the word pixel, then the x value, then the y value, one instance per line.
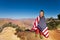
pixel 40 35
pixel 37 33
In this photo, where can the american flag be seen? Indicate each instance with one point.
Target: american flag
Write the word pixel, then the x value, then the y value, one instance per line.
pixel 42 27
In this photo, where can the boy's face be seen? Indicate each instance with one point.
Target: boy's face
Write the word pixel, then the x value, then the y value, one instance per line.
pixel 41 14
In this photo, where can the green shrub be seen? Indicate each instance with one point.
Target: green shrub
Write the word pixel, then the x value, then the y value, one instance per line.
pixel 58 16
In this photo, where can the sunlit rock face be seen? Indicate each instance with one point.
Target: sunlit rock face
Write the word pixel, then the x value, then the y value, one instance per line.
pixel 8 34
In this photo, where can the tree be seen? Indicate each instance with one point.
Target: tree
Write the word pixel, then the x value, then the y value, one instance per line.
pixel 59 16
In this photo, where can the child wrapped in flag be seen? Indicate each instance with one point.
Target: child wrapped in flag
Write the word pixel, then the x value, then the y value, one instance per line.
pixel 40 25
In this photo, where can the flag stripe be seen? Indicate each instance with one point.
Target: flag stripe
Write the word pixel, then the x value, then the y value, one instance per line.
pixel 36 23
pixel 46 32
pixel 47 35
pixel 38 18
pixel 45 29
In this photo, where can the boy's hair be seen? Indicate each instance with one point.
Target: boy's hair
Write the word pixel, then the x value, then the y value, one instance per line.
pixel 41 11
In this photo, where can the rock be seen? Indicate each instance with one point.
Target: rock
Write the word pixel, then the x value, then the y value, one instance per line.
pixel 8 34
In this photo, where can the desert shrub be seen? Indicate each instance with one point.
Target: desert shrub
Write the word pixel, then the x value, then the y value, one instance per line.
pixel 1 29
pixel 52 24
pixel 18 29
pixel 9 25
pixel 58 26
pixel 27 30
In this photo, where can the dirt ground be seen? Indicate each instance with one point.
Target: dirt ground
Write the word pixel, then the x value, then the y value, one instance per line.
pixel 53 35
pixel 9 34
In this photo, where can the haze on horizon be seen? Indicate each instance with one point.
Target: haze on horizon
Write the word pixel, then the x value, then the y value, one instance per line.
pixel 17 9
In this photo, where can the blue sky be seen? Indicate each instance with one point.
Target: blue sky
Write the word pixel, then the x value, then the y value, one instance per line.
pixel 17 9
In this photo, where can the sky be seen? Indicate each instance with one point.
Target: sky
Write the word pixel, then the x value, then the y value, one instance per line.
pixel 17 9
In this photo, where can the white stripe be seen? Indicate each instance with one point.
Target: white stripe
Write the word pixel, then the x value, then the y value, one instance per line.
pixel 47 35
pixel 36 23
pixel 45 29
pixel 38 18
pixel 45 32
pixel 34 28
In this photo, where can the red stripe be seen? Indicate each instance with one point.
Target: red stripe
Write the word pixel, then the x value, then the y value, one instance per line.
pixel 45 36
pixel 37 20
pixel 45 30
pixel 47 33
pixel 34 24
